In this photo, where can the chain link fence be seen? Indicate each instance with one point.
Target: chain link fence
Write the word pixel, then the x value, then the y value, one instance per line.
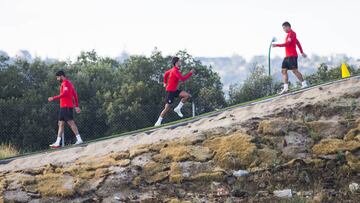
pixel 34 127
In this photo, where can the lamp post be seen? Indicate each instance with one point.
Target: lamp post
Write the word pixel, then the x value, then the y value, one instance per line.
pixel 269 60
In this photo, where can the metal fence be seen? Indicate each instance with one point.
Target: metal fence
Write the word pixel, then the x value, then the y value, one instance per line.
pixel 34 127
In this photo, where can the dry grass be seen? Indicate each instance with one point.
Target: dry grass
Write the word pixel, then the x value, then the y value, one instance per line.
pixel 7 150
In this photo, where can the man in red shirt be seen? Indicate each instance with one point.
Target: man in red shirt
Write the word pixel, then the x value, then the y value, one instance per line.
pixel 67 97
pixel 290 61
pixel 171 83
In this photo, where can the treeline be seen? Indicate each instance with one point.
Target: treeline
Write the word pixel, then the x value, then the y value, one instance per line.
pixel 114 97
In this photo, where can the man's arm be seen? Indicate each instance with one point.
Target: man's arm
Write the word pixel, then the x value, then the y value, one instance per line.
pixel 181 77
pixel 63 93
pixel 299 45
pixel 288 41
pixel 166 77
pixel 76 98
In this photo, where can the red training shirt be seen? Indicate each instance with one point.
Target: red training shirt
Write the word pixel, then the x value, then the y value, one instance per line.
pixel 290 44
pixel 67 92
pixel 172 77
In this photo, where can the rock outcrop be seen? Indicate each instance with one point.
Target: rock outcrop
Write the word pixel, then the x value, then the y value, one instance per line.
pixel 308 143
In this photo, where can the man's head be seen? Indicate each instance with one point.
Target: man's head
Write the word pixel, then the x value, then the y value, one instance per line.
pixel 286 27
pixel 60 75
pixel 176 61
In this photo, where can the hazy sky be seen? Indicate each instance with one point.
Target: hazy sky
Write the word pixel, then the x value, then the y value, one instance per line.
pixel 63 28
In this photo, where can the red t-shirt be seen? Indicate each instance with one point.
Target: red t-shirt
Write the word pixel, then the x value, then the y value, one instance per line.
pixel 290 44
pixel 67 93
pixel 172 77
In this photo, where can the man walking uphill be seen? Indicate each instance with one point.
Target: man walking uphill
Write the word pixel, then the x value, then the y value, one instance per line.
pixel 290 61
pixel 171 82
pixel 67 97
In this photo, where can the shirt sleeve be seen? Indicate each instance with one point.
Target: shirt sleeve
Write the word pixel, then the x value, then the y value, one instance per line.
pixel 65 91
pixel 299 45
pixel 76 98
pixel 181 77
pixel 166 76
pixel 289 40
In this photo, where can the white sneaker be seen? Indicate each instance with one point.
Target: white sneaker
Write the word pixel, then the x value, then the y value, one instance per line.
pixel 158 123
pixel 55 145
pixel 284 90
pixel 304 84
pixel 178 111
pixel 78 142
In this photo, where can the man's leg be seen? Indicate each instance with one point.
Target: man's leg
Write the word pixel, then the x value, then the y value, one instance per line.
pixel 184 97
pixel 285 78
pixel 162 114
pixel 75 130
pixel 299 76
pixel 60 132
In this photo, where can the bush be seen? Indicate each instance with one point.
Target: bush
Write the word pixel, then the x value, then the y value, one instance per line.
pixel 256 86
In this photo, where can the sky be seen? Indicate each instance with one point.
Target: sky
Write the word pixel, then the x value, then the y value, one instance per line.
pixel 211 28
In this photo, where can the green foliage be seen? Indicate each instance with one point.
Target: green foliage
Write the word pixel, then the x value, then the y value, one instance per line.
pixel 257 85
pixel 326 74
pixel 314 135
pixel 114 97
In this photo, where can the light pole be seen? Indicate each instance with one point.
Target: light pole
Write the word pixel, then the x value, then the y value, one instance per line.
pixel 269 60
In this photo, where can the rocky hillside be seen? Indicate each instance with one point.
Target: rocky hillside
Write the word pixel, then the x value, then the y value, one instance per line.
pixel 304 146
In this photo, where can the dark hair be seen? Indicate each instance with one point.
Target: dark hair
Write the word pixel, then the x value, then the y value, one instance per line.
pixel 175 60
pixel 286 24
pixel 60 73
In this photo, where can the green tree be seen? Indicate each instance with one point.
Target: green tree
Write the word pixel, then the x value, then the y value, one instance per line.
pixel 256 85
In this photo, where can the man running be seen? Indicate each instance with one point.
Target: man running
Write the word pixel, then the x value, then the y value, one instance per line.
pixel 290 61
pixel 171 82
pixel 67 94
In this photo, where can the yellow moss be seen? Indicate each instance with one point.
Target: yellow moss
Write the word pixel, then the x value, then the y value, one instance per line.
pixel 157 177
pixel 177 201
pixel 352 134
pixel 3 185
pixel 138 151
pixel 353 161
pixel 33 171
pixel 50 185
pixel 266 157
pixel 124 163
pixel 275 127
pixel 177 153
pixel 332 146
pixel 136 182
pixel 175 175
pixel 234 151
pixel 155 172
pixel 49 168
pixel 152 168
pixel 120 155
pixel 176 178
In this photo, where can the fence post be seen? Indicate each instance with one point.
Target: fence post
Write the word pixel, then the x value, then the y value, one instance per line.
pixel 193 109
pixel 62 140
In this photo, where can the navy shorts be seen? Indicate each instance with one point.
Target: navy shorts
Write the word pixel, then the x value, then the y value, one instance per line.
pixel 66 114
pixel 170 96
pixel 290 63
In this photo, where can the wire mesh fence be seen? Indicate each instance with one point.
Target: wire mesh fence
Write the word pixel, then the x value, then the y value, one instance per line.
pixel 34 127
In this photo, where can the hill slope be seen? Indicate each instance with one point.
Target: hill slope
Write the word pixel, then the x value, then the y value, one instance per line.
pixel 308 142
